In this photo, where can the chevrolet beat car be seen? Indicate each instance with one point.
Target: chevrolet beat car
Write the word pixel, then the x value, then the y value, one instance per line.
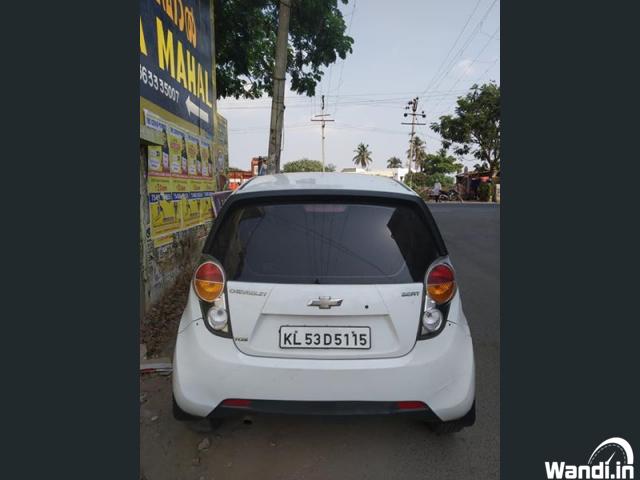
pixel 325 293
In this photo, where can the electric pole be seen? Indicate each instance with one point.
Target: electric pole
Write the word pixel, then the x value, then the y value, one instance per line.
pixel 412 110
pixel 323 119
pixel 279 74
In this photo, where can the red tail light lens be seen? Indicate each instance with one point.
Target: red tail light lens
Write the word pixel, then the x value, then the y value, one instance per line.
pixel 236 402
pixel 410 405
pixel 208 281
pixel 441 284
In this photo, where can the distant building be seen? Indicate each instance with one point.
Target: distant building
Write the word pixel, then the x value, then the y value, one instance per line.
pixel 467 183
pixel 237 177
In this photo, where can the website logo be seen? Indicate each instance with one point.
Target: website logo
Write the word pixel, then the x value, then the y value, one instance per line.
pixel 612 459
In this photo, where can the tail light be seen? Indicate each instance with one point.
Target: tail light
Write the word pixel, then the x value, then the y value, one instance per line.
pixel 440 286
pixel 208 284
pixel 441 283
pixel 208 281
pixel 236 402
pixel 410 405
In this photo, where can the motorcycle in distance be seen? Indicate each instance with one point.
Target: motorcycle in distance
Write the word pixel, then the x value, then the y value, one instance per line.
pixel 446 196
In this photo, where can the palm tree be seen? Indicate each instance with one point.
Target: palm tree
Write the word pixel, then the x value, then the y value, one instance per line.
pixel 394 162
pixel 363 156
pixel 419 152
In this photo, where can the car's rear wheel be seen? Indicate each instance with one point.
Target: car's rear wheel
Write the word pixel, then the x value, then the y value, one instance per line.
pixel 204 425
pixel 445 428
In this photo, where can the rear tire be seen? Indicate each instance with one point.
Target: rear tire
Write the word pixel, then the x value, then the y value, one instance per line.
pixel 445 428
pixel 204 425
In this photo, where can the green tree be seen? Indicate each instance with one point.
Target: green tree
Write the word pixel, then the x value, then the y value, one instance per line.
pixel 420 181
pixel 363 156
pixel 440 162
pixel 419 150
pixel 245 37
pixel 394 162
pixel 306 165
pixel 475 127
pixel 480 167
pixel 445 180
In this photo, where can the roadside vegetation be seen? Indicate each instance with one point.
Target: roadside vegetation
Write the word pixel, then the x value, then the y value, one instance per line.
pixel 306 165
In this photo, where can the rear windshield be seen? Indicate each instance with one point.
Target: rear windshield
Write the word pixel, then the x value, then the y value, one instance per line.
pixel 325 243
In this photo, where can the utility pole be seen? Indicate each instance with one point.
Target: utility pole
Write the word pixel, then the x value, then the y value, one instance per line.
pixel 279 74
pixel 411 109
pixel 323 119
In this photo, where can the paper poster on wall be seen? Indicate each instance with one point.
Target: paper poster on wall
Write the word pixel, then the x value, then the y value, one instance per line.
pixel 194 165
pixel 180 187
pixel 164 212
pixel 177 151
pixel 154 156
pixel 160 184
pixel 196 185
pixel 206 207
pixel 220 162
pixel 205 156
pixel 176 138
pixel 191 212
pixel 153 121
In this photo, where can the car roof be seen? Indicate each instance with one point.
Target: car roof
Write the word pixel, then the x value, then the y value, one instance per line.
pixel 324 181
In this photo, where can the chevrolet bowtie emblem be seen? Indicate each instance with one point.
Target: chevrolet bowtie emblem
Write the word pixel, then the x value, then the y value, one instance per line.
pixel 325 302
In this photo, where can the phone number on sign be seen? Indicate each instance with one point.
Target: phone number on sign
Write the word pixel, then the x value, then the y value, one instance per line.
pixel 151 79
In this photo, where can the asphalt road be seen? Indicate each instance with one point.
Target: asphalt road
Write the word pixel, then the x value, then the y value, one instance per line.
pixel 284 447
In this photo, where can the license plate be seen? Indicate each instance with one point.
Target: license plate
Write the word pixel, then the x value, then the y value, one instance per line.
pixel 325 337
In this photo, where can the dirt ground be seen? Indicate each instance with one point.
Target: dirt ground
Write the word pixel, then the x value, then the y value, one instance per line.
pixel 291 447
pixel 159 327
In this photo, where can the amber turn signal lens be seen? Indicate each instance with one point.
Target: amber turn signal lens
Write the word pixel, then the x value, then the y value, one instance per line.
pixel 208 281
pixel 441 284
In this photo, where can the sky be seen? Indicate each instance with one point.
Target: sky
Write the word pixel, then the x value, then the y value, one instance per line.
pixel 433 49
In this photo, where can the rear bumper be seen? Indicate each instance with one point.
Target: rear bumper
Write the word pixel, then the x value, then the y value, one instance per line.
pixel 287 407
pixel 439 372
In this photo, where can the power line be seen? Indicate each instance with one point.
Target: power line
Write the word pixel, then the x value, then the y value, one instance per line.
pixel 303 99
pixel 261 128
pixel 487 70
pixel 453 45
pixel 353 12
pixel 452 62
pixel 472 62
pixel 347 126
pixel 351 101
pixel 374 94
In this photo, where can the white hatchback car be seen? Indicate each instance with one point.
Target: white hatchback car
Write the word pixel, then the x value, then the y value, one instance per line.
pixel 325 293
